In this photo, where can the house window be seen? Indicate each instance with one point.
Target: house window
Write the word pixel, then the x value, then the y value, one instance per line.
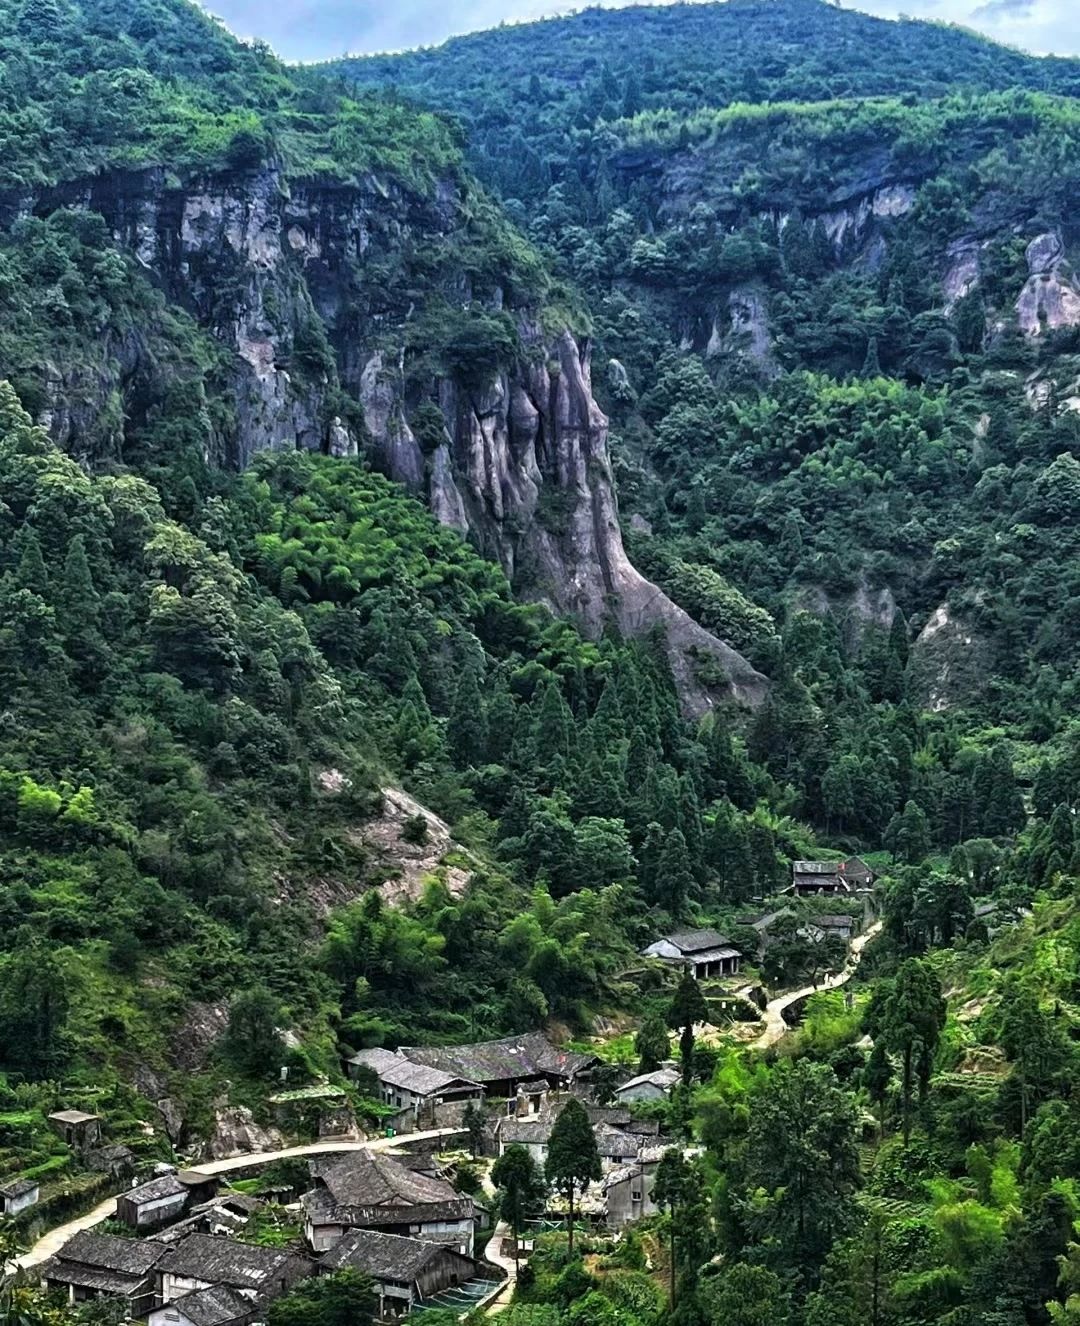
pixel 635 1194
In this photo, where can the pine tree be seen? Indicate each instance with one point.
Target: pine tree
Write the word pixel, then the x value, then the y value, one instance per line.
pixel 690 824
pixel 877 1077
pixel 78 604
pixel 30 570
pixel 910 1015
pixel 573 1161
pixel 553 734
pixel 687 1009
pixel 520 1188
pixel 871 366
pixel 652 849
pixel 674 882
pixel 501 720
pixel 652 1044
pixel 466 728
pixel 417 737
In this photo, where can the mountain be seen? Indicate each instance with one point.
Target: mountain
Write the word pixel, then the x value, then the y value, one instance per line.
pixel 335 426
pixel 836 325
pixel 226 293
pixel 535 98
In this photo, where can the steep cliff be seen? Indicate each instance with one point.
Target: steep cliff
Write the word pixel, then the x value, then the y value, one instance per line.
pixel 317 293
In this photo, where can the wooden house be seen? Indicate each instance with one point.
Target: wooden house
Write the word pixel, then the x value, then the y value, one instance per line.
pixel 434 1098
pixel 202 1262
pixel 811 879
pixel 707 953
pixel 530 1063
pixel 404 1271
pixel 91 1266
pixel 365 1190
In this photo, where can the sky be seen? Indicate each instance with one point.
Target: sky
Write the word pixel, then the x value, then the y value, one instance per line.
pixel 319 29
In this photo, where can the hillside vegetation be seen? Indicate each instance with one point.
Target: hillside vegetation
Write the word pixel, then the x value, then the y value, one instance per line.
pixel 819 271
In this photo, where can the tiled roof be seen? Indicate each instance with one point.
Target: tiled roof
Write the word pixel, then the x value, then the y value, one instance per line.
pixel 98 1278
pixel 224 1261
pixel 530 1055
pixel 613 1142
pixel 168 1185
pixel 17 1188
pixel 367 1188
pixel 526 1132
pixel 108 1252
pixel 698 941
pixel 419 1078
pixel 383 1256
pixel 215 1306
pixel 662 1078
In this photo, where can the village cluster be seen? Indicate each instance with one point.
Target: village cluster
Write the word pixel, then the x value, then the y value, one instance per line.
pixel 397 1218
pixel 392 1213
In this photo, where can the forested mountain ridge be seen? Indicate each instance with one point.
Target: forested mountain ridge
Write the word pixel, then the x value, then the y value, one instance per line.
pixel 210 674
pixel 349 287
pixel 824 291
pixel 535 98
pixel 839 330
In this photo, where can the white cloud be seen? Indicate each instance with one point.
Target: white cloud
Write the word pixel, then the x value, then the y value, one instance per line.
pixel 1046 27
pixel 314 29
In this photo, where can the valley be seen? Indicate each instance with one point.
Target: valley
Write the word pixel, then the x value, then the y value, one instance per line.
pixel 537 621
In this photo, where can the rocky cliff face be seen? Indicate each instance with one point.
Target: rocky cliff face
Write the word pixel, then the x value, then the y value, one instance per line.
pixel 521 465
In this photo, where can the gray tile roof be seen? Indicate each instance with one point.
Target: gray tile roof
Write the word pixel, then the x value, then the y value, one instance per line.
pixel 698 941
pixel 613 1142
pixel 662 1078
pixel 530 1055
pixel 17 1188
pixel 718 954
pixel 168 1185
pixel 224 1261
pixel 366 1188
pixel 383 1256
pixel 215 1306
pixel 526 1132
pixel 98 1278
pixel 419 1078
pixel 108 1252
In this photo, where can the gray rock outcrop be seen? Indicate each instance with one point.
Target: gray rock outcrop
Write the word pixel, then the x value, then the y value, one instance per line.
pixel 1050 298
pixel 275 269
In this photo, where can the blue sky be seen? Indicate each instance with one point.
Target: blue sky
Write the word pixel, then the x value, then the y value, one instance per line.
pixel 314 29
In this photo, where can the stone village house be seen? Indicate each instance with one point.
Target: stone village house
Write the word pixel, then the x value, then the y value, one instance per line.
pixel 91 1266
pixel 810 879
pixel 404 1271
pixel 428 1097
pixel 365 1190
pixel 18 1195
pixel 707 953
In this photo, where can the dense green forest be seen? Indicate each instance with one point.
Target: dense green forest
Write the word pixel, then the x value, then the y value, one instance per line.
pixel 825 266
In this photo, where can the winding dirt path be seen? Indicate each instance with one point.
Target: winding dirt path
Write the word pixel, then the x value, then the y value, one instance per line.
pixel 773 1015
pixel 500 1300
pixel 51 1243
pixel 775 1026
